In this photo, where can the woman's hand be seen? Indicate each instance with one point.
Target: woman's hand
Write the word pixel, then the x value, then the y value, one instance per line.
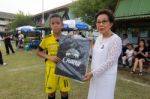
pixel 88 76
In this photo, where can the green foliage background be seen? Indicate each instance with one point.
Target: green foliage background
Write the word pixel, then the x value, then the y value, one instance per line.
pixel 87 9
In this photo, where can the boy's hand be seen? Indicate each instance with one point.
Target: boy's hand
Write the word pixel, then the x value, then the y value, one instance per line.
pixel 54 59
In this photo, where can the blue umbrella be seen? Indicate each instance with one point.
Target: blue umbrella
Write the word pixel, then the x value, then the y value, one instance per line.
pixel 82 26
pixel 27 28
pixel 76 25
pixel 66 26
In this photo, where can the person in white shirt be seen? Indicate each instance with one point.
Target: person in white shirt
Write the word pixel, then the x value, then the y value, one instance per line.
pixel 21 40
pixel 129 55
pixel 106 52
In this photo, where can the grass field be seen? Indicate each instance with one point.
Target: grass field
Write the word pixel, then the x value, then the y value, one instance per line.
pixel 23 78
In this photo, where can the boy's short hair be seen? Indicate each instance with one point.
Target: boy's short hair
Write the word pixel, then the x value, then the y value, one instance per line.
pixel 129 44
pixel 56 16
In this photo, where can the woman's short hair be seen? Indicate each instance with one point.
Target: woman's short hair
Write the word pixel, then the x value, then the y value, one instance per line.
pixel 108 13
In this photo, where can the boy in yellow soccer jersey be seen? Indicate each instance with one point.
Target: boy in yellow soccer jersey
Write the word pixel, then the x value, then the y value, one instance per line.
pixel 50 43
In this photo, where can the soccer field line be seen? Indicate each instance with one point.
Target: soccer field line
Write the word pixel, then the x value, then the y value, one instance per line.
pixel 24 68
pixel 137 83
pixel 35 66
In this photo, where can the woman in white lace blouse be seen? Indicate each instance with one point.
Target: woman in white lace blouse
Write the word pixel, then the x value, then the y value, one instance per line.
pixel 105 56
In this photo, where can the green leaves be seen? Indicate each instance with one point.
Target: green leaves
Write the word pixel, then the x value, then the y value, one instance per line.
pixel 87 9
pixel 21 20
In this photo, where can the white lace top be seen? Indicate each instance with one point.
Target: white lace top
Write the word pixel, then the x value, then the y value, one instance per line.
pixel 105 55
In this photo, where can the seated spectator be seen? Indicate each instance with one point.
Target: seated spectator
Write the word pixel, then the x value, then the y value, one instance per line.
pixel 140 56
pixel 37 43
pixel 127 59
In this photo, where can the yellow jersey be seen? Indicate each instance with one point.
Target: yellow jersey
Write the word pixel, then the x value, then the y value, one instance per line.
pixel 51 45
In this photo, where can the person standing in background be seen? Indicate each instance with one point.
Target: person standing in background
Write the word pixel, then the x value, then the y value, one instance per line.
pixel 16 39
pixel 8 45
pixel 125 41
pixel 20 40
pixel 1 59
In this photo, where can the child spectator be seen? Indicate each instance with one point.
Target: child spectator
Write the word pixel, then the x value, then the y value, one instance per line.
pixel 128 55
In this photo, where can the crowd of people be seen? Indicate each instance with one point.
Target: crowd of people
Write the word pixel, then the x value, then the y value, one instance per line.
pixel 7 38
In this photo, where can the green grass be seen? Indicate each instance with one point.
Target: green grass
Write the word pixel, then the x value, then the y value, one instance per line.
pixel 23 78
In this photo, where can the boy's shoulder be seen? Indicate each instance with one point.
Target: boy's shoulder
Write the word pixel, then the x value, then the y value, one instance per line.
pixel 48 36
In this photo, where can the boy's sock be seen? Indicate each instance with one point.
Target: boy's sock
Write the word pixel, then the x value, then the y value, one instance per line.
pixel 64 97
pixel 51 97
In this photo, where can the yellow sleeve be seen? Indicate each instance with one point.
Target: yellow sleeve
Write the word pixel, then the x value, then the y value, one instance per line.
pixel 43 44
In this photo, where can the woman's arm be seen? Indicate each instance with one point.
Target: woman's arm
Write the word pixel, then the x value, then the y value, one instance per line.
pixel 145 55
pixel 113 55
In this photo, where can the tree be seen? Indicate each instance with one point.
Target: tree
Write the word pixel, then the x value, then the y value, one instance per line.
pixel 87 9
pixel 21 20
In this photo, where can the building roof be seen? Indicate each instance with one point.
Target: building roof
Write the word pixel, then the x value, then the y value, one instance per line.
pixel 6 15
pixel 53 10
pixel 132 9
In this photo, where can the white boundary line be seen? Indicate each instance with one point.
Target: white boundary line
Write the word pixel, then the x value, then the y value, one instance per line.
pixel 24 68
pixel 137 83
pixel 35 66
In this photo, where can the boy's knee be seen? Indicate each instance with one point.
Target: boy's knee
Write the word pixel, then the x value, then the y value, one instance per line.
pixel 51 94
pixel 64 95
